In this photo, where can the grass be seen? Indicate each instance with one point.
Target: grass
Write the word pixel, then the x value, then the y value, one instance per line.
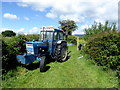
pixel 74 73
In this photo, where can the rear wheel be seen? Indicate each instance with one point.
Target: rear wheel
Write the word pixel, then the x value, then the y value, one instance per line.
pixel 43 64
pixel 61 52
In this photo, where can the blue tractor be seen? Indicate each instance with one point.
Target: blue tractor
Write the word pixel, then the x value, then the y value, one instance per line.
pixel 50 44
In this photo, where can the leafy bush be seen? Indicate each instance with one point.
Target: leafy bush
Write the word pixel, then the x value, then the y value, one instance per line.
pixel 32 37
pixel 98 28
pixel 104 49
pixel 10 47
pixel 72 39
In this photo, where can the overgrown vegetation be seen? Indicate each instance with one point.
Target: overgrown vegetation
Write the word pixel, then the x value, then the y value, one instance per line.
pixel 104 49
pixel 103 46
pixel 98 28
pixel 32 37
pixel 12 46
pixel 72 39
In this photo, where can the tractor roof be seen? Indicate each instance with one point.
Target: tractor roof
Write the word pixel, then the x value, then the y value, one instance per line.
pixel 50 29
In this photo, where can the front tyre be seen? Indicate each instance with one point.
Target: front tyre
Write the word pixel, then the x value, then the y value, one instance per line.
pixel 43 64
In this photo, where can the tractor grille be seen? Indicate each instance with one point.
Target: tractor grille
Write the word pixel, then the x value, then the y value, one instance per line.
pixel 42 50
pixel 29 48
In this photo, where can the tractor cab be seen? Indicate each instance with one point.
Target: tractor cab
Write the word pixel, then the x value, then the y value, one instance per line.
pixel 48 34
pixel 51 37
pixel 51 43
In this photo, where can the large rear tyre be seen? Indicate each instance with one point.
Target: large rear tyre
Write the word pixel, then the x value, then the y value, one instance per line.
pixel 43 64
pixel 61 52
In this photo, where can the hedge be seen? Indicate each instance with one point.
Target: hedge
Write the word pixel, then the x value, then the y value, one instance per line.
pixel 104 49
pixel 11 46
pixel 72 39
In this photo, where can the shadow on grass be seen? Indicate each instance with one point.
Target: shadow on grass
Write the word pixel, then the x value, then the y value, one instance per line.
pixel 33 66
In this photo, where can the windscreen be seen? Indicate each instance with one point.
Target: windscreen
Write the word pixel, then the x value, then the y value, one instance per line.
pixel 46 35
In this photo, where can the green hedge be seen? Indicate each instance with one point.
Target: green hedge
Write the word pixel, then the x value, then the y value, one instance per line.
pixel 104 49
pixel 72 39
pixel 32 37
pixel 11 46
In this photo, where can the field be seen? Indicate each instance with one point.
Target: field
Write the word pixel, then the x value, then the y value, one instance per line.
pixel 74 73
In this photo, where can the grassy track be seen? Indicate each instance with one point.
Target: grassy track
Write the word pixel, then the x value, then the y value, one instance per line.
pixel 74 73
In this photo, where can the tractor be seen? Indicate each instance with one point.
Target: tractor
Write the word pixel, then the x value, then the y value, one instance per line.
pixel 51 44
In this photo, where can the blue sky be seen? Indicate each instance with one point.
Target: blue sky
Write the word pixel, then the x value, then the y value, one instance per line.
pixel 28 16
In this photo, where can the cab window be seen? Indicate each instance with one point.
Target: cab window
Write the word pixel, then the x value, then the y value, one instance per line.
pixel 61 36
pixel 56 35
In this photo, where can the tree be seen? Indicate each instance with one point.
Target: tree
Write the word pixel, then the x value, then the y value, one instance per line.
pixel 8 33
pixel 98 28
pixel 68 26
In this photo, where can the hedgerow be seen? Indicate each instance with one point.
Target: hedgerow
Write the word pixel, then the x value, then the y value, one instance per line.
pixel 11 46
pixel 104 49
pixel 72 39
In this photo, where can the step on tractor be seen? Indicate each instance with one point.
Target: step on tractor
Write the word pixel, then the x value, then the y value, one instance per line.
pixel 51 44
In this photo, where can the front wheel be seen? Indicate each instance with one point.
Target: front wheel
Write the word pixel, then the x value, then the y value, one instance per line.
pixel 43 64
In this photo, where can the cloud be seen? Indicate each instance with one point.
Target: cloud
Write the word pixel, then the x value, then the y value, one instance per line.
pixel 10 16
pixel 101 21
pixel 17 31
pixel 81 29
pixel 77 10
pixel 4 29
pixel 34 30
pixel 51 15
pixel 26 18
pixel 74 17
pixel 22 5
pixel 21 30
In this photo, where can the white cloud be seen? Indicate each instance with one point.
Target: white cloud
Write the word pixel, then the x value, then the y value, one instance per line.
pixel 99 20
pixel 84 12
pixel 34 30
pixel 74 17
pixel 26 18
pixel 21 30
pixel 4 29
pixel 22 5
pixel 81 29
pixel 10 16
pixel 51 15
pixel 77 10
pixel 17 31
pixel 78 32
pixel 85 27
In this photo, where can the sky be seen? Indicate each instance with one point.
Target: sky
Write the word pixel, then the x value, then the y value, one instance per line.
pixel 28 16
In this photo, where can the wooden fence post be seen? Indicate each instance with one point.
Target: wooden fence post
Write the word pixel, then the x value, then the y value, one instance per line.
pixel 77 43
